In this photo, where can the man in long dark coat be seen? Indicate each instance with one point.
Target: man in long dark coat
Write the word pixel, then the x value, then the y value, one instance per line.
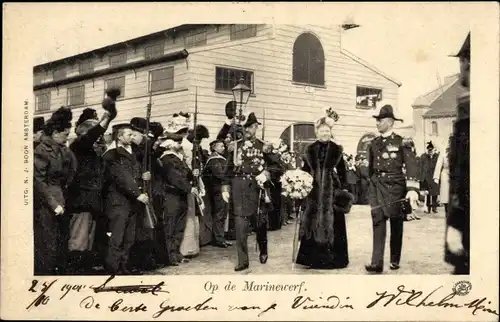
pixel 38 123
pixel 389 187
pixel 124 200
pixel 84 198
pixel 243 189
pixel 428 162
pixel 457 245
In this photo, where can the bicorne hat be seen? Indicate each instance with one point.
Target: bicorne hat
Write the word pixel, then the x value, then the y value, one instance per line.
pixel 386 112
pixel 465 50
pixel 38 123
pixel 251 120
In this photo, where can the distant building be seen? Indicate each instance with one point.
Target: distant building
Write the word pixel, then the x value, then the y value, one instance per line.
pixel 294 73
pixel 434 114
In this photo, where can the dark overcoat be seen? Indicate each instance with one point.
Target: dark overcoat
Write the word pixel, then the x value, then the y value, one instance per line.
pixel 54 170
pixel 329 176
pixel 427 166
pixel 85 192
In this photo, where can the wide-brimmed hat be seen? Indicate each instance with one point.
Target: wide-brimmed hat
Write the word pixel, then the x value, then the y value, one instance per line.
pixel 251 120
pixel 465 49
pixel 387 112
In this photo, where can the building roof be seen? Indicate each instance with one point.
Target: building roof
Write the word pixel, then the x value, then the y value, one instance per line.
pixel 369 66
pixel 120 45
pixel 442 102
pixel 428 98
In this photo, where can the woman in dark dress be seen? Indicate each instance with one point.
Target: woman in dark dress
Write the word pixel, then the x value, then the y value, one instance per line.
pixel 323 234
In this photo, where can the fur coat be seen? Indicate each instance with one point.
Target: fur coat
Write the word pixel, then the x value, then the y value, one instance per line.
pixel 324 161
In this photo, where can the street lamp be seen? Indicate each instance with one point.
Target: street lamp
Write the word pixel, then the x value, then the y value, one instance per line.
pixel 241 94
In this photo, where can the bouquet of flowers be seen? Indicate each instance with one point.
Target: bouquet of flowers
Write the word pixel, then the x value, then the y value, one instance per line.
pixel 287 158
pixel 296 184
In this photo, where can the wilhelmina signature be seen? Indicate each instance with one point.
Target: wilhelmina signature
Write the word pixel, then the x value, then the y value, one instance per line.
pixel 154 289
pixel 416 298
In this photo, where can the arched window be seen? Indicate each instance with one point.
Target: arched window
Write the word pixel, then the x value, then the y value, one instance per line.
pixel 308 60
pixel 434 128
pixel 298 136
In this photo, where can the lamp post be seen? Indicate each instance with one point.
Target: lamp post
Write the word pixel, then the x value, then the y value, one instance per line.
pixel 241 94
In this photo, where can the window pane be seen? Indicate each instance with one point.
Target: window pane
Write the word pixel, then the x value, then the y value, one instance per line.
pixel 153 51
pixel 118 59
pixel 86 66
pixel 117 82
pixel 308 60
pixel 243 31
pixel 229 78
pixel 367 97
pixel 59 73
pixel 162 79
pixel 43 102
pixel 76 95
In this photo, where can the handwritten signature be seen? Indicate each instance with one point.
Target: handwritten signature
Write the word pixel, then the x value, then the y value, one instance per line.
pixel 419 299
pixel 154 289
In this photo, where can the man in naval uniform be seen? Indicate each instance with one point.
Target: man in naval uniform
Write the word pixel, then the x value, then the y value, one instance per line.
pixel 390 188
pixel 458 220
pixel 243 186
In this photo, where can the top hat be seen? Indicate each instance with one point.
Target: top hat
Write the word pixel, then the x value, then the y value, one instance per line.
pixel 38 123
pixel 465 50
pixel 251 120
pixel 386 112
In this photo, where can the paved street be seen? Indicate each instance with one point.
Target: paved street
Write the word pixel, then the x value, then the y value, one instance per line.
pixel 422 250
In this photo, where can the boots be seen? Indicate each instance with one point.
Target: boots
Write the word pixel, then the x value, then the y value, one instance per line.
pixel 263 252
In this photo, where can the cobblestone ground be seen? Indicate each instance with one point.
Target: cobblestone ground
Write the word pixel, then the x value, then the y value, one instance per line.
pixel 422 250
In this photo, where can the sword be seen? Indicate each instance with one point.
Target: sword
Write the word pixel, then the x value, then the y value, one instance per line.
pixel 257 220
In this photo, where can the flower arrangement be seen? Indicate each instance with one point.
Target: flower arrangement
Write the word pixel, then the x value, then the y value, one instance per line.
pixel 296 184
pixel 288 158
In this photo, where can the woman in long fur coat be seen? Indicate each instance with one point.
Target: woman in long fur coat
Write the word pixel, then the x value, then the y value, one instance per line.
pixel 323 232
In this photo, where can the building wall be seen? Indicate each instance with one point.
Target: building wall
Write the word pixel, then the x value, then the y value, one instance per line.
pixel 277 99
pixel 419 126
pixel 445 129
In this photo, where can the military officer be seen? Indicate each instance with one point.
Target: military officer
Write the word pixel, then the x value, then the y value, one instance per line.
pixel 458 219
pixel 389 188
pixel 245 179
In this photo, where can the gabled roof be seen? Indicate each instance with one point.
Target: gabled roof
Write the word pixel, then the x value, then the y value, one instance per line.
pixel 442 102
pixel 369 66
pixel 427 99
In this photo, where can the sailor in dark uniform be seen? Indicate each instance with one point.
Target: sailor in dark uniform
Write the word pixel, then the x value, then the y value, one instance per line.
pixel 389 187
pixel 458 219
pixel 244 176
pixel 214 176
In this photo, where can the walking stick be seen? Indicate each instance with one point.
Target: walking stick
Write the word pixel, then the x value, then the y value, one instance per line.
pixel 296 237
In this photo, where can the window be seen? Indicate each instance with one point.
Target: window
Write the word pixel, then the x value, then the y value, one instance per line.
pixel 86 66
pixel 42 102
pixel 303 135
pixel 242 31
pixel 308 60
pixel 76 95
pixel 153 51
pixel 117 60
pixel 367 97
pixel 434 128
pixel 116 82
pixel 59 73
pixel 227 78
pixel 195 39
pixel 161 79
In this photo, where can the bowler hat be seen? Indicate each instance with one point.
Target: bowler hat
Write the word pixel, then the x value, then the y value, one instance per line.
pixel 386 112
pixel 251 120
pixel 38 123
pixel 138 124
pixel 465 50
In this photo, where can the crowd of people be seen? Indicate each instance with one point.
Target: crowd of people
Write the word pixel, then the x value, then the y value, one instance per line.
pixel 151 196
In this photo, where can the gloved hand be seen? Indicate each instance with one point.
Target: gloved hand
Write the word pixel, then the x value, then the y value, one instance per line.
pixel 454 241
pixel 412 195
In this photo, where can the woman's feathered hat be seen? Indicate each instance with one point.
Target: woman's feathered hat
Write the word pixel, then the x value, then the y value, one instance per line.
pixel 59 120
pixel 430 145
pixel 330 119
pixel 176 126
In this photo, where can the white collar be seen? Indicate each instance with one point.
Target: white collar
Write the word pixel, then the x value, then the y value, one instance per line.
pixel 387 134
pixel 168 152
pixel 126 148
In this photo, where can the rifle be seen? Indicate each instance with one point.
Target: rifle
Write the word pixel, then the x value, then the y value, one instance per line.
pixel 194 165
pixel 150 218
